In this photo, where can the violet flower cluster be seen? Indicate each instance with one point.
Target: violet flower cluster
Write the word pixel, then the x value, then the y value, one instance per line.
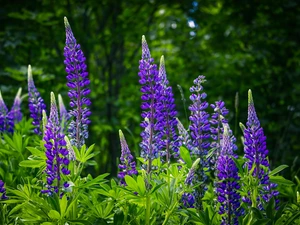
pixel 6 120
pixel 200 127
pixel 227 185
pixel 200 134
pixel 15 111
pixel 36 103
pixel 217 121
pixel 2 191
pixel 256 153
pixel 56 152
pixel 151 91
pixel 127 164
pixel 166 114
pixel 78 82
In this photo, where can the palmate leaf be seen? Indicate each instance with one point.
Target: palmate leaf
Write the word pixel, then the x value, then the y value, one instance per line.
pixel 98 180
pixel 33 163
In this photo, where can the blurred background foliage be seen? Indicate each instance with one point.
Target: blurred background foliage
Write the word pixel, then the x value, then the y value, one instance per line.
pixel 237 45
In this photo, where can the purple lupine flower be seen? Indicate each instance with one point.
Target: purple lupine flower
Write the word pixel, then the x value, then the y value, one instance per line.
pixel 56 151
pixel 217 122
pixel 127 164
pixel 151 91
pixel 227 185
pixel 78 82
pixel 167 117
pixel 199 129
pixel 36 103
pixel 16 108
pixel 199 118
pixel 63 113
pixel 256 153
pixel 188 200
pixel 6 119
pixel 2 191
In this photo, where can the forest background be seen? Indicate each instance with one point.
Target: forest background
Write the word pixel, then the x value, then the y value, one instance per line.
pixel 237 45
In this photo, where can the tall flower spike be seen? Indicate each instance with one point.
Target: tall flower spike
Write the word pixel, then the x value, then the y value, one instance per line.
pixel 36 103
pixel 167 117
pixel 15 111
pixel 256 152
pixel 199 129
pixel 78 82
pixel 56 151
pixel 199 118
pixel 151 91
pixel 217 122
pixel 6 118
pixel 127 164
pixel 227 186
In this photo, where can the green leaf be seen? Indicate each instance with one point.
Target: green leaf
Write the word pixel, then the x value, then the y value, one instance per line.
pixel 37 152
pixel 32 163
pixel 94 181
pixel 84 222
pixel 5 151
pixel 257 213
pixel 277 170
pixel 270 209
pixel 48 223
pixel 63 202
pixel 292 219
pixel 261 222
pixel 185 155
pixel 131 183
pixel 53 214
pixel 141 185
pixel 156 187
pixel 281 180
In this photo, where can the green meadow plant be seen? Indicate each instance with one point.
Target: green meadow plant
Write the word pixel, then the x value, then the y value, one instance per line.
pixel 182 176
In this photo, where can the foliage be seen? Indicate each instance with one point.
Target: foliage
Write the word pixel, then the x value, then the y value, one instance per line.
pixel 186 188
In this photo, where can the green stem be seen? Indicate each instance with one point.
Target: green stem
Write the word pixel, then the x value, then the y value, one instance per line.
pixel 169 214
pixel 148 210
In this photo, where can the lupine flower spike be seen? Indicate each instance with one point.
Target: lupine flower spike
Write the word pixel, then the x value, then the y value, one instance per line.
pixel 256 152
pixel 167 113
pixel 78 82
pixel 6 121
pixel 218 119
pixel 56 152
pixel 36 103
pixel 127 164
pixel 227 185
pixel 15 111
pixel 199 130
pixel 151 90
